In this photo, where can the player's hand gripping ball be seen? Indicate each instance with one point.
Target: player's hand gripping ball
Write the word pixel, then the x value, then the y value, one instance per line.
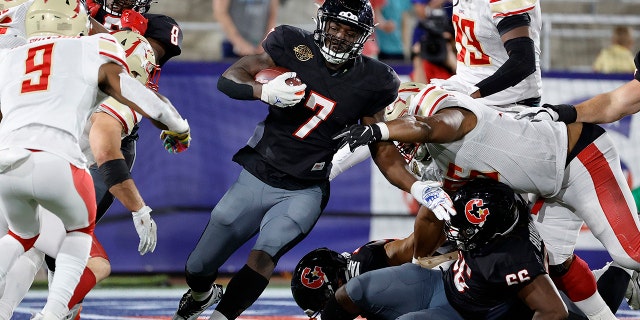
pixel 280 87
pixel 268 74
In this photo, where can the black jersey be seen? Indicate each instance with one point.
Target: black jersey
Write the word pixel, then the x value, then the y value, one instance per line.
pixel 298 140
pixel 484 284
pixel 161 28
pixel 371 256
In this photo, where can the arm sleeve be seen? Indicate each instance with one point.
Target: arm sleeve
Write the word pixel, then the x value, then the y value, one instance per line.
pixel 521 63
pixel 151 104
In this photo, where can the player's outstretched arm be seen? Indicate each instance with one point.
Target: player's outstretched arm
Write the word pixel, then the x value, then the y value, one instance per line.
pixel 114 81
pixel 543 298
pixel 104 139
pixel 611 106
pixel 427 233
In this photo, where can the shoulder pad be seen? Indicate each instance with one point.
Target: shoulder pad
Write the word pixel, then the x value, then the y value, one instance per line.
pixel 109 48
pixel 505 8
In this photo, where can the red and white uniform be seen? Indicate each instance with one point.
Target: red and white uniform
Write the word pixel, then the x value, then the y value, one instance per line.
pixel 56 95
pixel 530 157
pixel 481 51
pixel 48 90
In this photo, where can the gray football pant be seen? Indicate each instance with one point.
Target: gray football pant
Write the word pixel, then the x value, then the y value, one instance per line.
pixel 282 217
pixel 402 292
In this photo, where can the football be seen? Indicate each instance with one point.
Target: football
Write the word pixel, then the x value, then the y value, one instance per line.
pixel 268 74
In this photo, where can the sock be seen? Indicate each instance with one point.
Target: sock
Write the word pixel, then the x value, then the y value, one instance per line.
pixel 87 282
pixel 70 264
pixel 11 249
pixel 612 286
pixel 242 291
pixel 201 296
pixel 580 286
pixel 19 280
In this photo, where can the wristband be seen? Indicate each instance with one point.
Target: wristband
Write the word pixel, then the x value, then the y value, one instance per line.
pixel 384 131
pixel 567 113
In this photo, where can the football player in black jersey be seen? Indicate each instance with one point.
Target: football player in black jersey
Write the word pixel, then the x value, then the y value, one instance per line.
pixel 165 36
pixel 500 272
pixel 284 185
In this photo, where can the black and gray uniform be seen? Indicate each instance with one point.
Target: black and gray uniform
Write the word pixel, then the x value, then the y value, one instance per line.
pixel 284 185
pixel 482 284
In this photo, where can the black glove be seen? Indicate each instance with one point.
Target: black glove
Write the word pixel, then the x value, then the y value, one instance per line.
pixel 566 112
pixel 359 135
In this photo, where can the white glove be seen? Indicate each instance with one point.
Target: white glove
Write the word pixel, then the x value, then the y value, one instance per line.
pixel 453 84
pixel 537 114
pixel 280 94
pixel 147 230
pixel 430 195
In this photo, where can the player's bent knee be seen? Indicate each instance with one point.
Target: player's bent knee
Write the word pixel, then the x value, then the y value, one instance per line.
pixel 100 267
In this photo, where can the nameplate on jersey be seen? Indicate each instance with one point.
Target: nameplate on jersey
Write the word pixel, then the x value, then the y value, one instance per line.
pixel 318 166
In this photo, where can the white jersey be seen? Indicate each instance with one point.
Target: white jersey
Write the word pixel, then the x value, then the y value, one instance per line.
pixel 12 26
pixel 481 51
pixel 528 156
pixel 48 90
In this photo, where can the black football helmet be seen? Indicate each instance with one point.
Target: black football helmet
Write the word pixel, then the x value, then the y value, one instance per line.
pixel 316 278
pixel 486 209
pixel 355 13
pixel 115 7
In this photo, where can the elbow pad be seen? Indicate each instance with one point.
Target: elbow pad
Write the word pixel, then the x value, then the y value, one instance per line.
pixel 521 64
pixel 151 104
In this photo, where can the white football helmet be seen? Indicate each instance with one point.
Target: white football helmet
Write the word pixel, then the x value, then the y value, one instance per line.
pixel 140 58
pixel 399 108
pixel 57 18
pixel 431 99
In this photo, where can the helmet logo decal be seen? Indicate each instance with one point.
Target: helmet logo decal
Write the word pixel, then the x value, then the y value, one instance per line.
pixel 312 279
pixel 302 52
pixel 474 211
pixel 134 45
pixel 348 15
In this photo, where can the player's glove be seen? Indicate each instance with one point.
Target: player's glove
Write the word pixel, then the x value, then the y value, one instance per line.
pixel 147 230
pixel 133 20
pixel 280 94
pixel 560 112
pixel 452 84
pixel 175 142
pixel 360 135
pixel 430 195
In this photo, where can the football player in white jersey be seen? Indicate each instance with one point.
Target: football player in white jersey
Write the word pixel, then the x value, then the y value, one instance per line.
pixel 39 143
pixel 111 120
pixel 498 45
pixel 574 167
pixel 603 108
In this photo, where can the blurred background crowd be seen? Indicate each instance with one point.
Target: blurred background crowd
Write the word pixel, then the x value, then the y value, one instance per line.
pixel 578 35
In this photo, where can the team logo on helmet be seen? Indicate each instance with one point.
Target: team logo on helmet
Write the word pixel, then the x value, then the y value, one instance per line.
pixel 312 279
pixel 302 52
pixel 475 212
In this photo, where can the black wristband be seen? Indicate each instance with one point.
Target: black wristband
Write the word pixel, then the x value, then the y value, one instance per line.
pixel 114 172
pixel 239 91
pixel 566 112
